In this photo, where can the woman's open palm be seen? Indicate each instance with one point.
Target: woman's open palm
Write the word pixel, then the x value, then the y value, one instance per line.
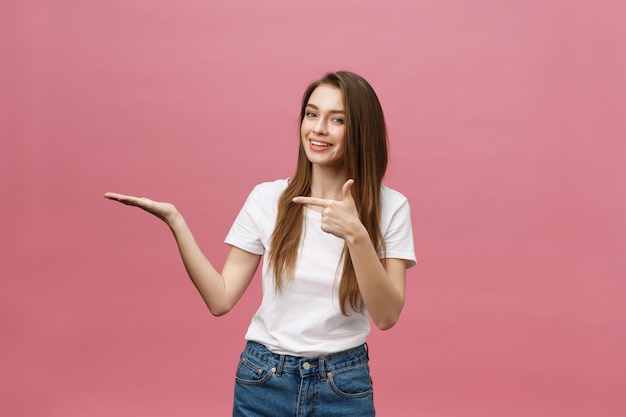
pixel 164 211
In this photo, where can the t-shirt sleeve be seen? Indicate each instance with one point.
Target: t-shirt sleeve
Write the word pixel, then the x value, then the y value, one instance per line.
pixel 399 235
pixel 245 232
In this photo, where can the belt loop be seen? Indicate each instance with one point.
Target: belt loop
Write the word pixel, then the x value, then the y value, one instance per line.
pixel 322 369
pixel 367 351
pixel 281 364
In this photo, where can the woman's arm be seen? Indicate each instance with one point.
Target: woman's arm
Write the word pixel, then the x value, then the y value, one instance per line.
pixel 220 291
pixel 382 288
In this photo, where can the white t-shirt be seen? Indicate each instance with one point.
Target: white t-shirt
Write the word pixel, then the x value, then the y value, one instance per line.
pixel 303 318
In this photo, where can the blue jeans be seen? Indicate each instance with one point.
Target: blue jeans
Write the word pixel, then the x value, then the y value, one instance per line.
pixel 272 385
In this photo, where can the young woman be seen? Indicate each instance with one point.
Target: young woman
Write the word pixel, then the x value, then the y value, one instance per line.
pixel 335 244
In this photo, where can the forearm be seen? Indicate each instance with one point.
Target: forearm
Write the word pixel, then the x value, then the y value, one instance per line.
pixel 207 280
pixel 239 267
pixel 382 295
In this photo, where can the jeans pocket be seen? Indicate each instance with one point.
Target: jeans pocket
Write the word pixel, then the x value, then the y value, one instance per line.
pixel 252 371
pixel 353 382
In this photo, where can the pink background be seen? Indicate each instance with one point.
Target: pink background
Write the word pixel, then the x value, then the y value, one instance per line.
pixel 507 129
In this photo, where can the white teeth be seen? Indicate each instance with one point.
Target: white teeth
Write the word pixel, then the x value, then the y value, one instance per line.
pixel 316 143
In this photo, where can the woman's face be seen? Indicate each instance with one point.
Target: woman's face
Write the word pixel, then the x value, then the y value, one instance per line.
pixel 322 130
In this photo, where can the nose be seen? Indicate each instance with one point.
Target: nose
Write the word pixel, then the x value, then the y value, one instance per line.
pixel 320 127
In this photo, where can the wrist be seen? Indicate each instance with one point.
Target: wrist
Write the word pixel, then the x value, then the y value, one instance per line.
pixel 175 220
pixel 358 234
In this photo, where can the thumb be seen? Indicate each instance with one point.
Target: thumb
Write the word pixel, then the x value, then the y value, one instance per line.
pixel 347 194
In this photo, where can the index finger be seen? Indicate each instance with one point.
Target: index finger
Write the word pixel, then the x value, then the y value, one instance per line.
pixel 321 202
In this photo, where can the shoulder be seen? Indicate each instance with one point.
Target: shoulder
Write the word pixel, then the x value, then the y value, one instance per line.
pixel 266 192
pixel 391 197
pixel 270 189
pixel 394 206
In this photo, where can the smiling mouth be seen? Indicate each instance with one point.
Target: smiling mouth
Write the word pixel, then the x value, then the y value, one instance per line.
pixel 322 144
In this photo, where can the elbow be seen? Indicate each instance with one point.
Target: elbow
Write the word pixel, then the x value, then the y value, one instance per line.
pixel 219 310
pixel 387 318
pixel 218 313
pixel 386 323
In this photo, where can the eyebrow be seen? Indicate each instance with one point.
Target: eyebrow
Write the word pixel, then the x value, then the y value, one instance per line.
pixel 330 111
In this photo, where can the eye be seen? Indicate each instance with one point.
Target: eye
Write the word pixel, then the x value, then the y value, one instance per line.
pixel 337 120
pixel 310 114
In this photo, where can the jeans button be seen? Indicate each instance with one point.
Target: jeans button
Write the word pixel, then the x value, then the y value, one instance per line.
pixel 306 366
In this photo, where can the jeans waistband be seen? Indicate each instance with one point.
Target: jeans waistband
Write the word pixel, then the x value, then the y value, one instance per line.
pixel 320 365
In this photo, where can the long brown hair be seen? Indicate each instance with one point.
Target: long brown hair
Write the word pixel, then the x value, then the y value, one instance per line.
pixel 365 161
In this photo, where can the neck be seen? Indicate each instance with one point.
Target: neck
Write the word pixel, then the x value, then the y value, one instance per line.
pixel 327 182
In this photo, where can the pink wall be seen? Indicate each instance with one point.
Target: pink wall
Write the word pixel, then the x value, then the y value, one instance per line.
pixel 507 125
